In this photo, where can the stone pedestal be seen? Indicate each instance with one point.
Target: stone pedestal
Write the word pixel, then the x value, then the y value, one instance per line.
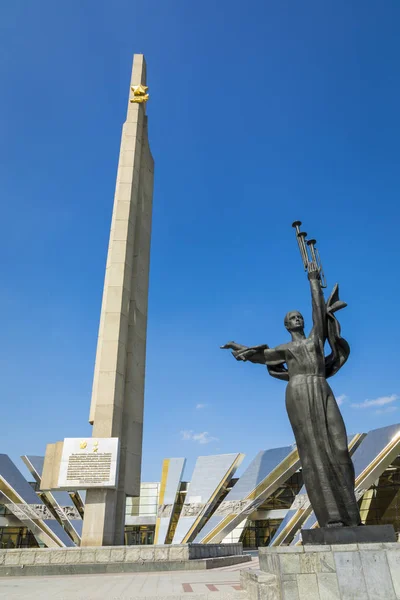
pixel 365 534
pixel 338 572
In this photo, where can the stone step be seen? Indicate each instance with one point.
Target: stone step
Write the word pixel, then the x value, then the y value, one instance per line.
pixel 13 569
pixel 228 595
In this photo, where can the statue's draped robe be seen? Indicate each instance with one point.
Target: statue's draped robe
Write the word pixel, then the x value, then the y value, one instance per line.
pixel 318 426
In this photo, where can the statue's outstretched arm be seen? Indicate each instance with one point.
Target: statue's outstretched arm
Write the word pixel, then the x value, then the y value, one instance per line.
pixel 253 354
pixel 275 356
pixel 320 328
pixel 262 355
pixel 234 346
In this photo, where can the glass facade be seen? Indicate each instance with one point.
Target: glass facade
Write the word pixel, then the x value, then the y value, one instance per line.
pixel 383 505
pixel 16 537
pixel 285 494
pixel 147 504
pixel 259 533
pixel 139 535
pixel 141 515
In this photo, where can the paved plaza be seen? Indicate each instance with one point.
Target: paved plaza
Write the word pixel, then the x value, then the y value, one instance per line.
pixel 213 584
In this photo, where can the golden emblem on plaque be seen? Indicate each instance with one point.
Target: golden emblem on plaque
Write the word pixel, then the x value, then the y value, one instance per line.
pixel 95 446
pixel 139 93
pixel 83 445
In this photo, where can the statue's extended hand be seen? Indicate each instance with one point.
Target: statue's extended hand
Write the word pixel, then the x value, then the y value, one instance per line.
pixel 230 346
pixel 313 271
pixel 246 354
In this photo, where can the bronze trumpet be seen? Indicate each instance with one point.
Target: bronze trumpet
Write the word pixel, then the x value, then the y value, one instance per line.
pixel 309 253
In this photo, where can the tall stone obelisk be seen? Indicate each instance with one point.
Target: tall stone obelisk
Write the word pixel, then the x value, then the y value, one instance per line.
pixel 118 386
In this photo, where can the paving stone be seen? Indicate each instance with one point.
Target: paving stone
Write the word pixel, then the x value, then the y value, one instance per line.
pixel 103 555
pixel 147 554
pixel 270 563
pixel 290 591
pixel 13 557
pixel 27 557
pixel 393 558
pixel 307 586
pixel 259 585
pixel 177 553
pixel 73 556
pixel 328 586
pixel 87 556
pixel 374 546
pixel 58 556
pixel 344 547
pixel 309 563
pixel 290 549
pixel 350 576
pixel 289 563
pixel 117 555
pixel 377 575
pixel 161 553
pixel 132 555
pixel 42 557
pixel 326 562
pixel 315 548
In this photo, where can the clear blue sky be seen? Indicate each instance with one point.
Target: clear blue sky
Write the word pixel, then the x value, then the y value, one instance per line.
pixel 260 113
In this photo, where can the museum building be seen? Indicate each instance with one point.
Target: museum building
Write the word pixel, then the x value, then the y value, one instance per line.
pixel 266 505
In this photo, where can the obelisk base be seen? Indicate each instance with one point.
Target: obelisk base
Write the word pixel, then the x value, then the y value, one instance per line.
pixel 99 523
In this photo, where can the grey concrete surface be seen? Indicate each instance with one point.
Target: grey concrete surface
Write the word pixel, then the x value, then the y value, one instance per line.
pixel 337 572
pixel 216 584
pixel 38 570
pixel 117 559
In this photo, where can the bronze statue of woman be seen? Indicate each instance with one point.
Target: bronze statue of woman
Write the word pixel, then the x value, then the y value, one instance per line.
pixel 318 426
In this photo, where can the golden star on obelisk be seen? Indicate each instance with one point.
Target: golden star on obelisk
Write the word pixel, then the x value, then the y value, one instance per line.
pixel 139 90
pixel 139 93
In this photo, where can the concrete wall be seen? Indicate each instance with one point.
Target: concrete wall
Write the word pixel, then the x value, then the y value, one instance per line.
pixel 116 554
